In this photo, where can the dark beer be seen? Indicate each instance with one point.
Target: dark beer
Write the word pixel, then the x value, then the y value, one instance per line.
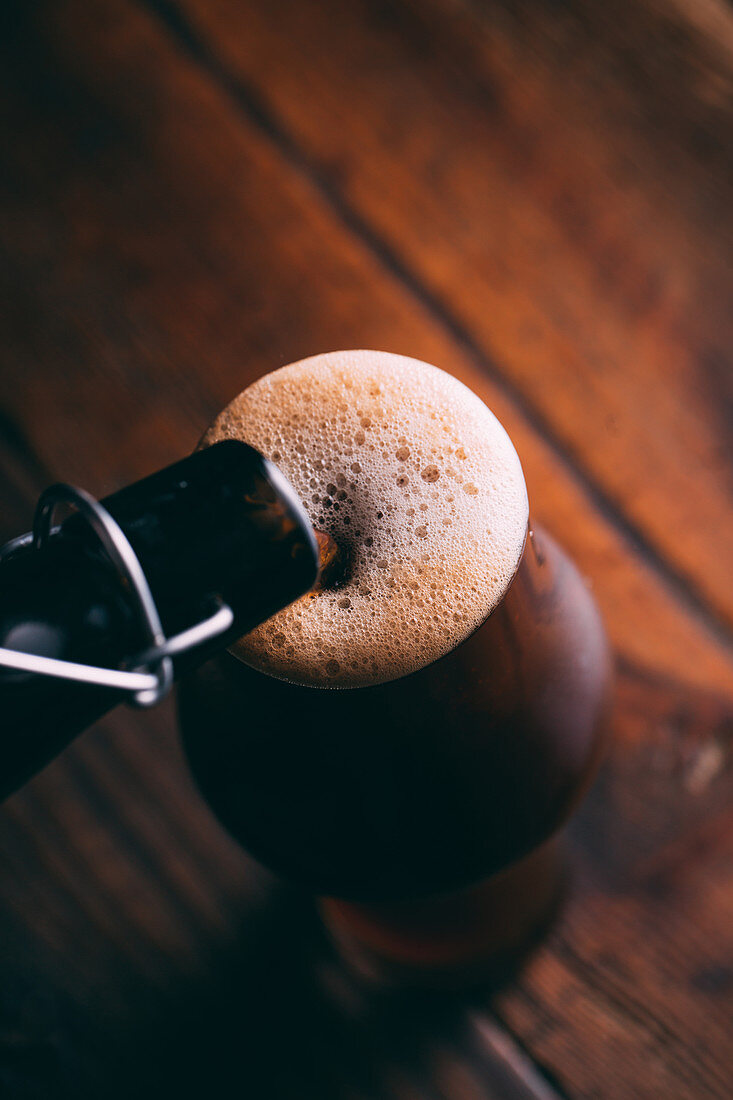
pixel 421 806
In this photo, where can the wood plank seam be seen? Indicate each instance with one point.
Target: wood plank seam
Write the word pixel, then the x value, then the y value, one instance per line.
pixel 537 1080
pixel 547 1078
pixel 246 100
pixel 443 137
pixel 135 355
pixel 525 1079
pixel 528 1079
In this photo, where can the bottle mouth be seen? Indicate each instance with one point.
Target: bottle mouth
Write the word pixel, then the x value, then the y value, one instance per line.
pixel 333 563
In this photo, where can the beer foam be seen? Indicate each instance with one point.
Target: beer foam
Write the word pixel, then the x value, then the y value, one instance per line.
pixel 421 488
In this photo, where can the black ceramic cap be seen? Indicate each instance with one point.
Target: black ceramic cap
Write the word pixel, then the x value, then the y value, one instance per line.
pixel 223 521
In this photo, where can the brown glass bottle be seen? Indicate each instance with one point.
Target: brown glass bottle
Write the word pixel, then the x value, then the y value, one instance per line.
pixel 422 809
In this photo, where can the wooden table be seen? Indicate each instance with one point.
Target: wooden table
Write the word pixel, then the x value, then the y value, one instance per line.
pixel 534 196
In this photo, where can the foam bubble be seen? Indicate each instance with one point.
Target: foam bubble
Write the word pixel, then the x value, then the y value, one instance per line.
pixel 420 485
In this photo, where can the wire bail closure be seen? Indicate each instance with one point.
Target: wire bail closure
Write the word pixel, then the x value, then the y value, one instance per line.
pixel 150 675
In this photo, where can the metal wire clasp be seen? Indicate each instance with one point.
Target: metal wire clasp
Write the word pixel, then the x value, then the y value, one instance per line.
pixel 150 675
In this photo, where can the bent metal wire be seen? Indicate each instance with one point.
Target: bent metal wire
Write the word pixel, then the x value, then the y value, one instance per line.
pixel 150 673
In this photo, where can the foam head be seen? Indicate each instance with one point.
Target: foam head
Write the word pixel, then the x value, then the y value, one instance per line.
pixel 419 485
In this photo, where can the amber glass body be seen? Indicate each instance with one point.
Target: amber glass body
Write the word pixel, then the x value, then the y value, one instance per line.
pixel 420 788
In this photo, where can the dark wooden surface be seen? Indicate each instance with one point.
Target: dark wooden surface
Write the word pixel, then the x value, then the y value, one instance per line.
pixel 536 197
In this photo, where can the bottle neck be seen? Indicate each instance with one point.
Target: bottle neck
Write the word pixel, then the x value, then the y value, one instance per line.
pixel 221 524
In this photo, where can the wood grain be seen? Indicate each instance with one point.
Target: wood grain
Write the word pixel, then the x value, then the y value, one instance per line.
pixel 162 244
pixel 572 226
pixel 212 264
pixel 650 926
